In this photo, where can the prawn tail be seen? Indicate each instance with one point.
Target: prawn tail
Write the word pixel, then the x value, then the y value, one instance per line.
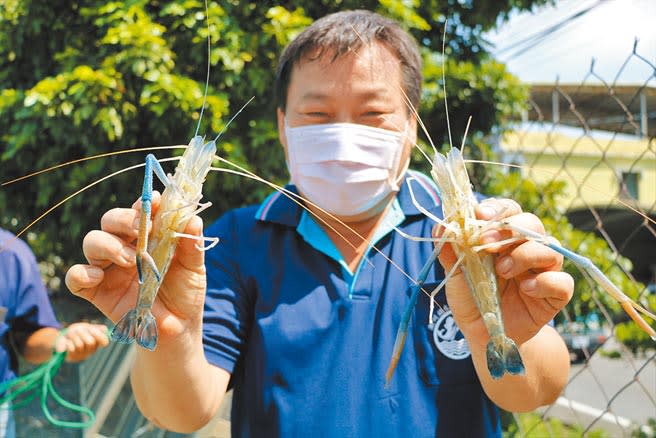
pixel 503 357
pixel 125 328
pixel 146 334
pixel 137 326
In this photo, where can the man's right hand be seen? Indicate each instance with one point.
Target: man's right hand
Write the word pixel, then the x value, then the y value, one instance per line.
pixel 110 282
pixel 174 386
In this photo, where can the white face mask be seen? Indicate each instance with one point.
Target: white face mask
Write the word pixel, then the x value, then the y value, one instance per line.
pixel 344 168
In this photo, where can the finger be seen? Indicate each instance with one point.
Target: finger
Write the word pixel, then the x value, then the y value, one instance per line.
pixel 98 329
pixel 61 344
pixel 527 221
pixel 507 237
pixel 102 249
pixel 85 341
pixel 155 202
pixel 555 286
pixel 80 277
pixel 188 254
pixel 529 256
pixel 123 222
pixel 493 209
pixel 79 341
pixel 99 333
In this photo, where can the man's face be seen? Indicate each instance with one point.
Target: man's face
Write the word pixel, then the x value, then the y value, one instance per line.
pixel 363 87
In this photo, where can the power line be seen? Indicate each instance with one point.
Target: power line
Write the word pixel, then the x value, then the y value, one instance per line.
pixel 538 37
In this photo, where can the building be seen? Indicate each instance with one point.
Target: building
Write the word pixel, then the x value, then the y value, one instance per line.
pixel 597 140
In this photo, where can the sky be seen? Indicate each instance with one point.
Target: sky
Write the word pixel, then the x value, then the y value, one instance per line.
pixel 606 32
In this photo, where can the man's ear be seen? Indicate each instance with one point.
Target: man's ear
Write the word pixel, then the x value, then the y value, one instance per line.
pixel 280 115
pixel 412 130
pixel 281 127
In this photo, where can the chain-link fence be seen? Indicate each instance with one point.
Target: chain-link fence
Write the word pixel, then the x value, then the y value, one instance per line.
pixel 597 138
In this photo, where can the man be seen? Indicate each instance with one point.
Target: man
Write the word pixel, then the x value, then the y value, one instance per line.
pixel 28 323
pixel 301 311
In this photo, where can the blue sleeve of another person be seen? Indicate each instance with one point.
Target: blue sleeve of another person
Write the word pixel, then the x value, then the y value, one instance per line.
pixel 23 296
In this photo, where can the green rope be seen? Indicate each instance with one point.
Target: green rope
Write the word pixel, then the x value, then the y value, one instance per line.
pixel 38 382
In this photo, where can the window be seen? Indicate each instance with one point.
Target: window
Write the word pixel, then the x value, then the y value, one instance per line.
pixel 629 186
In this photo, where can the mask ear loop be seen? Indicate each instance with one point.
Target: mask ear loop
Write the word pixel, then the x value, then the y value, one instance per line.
pixel 395 183
pixel 288 154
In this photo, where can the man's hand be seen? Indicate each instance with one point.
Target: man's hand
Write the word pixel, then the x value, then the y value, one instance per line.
pixel 109 280
pixel 533 289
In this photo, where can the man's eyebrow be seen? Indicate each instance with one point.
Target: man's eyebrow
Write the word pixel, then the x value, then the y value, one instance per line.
pixel 314 95
pixel 372 93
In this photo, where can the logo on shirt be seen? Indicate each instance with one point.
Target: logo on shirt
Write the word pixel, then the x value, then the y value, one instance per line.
pixel 449 339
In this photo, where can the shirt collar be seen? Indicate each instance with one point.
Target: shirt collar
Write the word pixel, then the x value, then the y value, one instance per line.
pixel 282 209
pixel 317 237
pixel 424 190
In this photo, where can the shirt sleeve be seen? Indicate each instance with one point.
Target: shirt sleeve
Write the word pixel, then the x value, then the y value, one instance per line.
pixel 227 311
pixel 29 306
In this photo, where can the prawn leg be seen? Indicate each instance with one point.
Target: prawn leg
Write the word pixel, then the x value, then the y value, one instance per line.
pixel 585 264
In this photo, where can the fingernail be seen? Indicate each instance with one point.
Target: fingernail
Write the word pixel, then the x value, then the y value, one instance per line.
pixel 504 265
pixel 60 347
pixel 490 236
pixel 94 273
pixel 128 254
pixel 487 212
pixel 528 285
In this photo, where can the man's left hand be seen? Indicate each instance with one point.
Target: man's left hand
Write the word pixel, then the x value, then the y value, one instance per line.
pixel 532 287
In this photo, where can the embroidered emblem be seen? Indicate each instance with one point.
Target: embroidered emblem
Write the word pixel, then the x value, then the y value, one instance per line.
pixel 449 339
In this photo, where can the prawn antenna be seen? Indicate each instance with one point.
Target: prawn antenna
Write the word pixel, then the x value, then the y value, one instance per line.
pixel 464 137
pixel 446 104
pixel 233 118
pixel 207 76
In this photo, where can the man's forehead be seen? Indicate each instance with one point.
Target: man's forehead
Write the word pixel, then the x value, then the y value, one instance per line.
pixel 373 52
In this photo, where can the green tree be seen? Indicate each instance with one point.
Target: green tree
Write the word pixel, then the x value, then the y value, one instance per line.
pixel 82 78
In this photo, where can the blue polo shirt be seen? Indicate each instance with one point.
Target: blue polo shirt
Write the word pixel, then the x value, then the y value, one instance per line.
pixel 308 342
pixel 24 303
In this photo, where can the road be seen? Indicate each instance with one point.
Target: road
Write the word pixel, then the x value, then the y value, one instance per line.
pixel 624 387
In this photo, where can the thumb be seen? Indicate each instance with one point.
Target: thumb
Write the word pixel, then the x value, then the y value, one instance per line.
pixel 189 254
pixel 61 344
pixel 447 256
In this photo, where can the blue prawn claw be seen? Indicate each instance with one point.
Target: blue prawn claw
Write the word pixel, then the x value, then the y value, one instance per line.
pixel 136 325
pixel 402 332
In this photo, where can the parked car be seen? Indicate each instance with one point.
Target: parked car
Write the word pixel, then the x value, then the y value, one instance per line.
pixel 583 338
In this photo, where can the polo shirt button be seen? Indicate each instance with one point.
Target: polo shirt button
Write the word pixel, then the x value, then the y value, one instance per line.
pixel 279 380
pixel 341 312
